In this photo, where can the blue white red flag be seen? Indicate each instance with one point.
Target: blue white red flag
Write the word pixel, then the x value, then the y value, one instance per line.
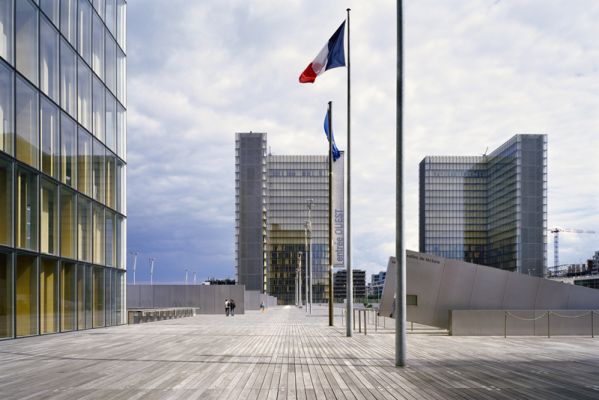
pixel 331 56
pixel 336 152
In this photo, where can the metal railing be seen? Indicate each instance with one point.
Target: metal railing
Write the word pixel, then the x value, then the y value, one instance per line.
pixel 547 314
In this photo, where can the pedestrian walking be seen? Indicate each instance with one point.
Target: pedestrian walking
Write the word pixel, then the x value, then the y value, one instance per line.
pixel 262 306
pixel 232 307
pixel 227 307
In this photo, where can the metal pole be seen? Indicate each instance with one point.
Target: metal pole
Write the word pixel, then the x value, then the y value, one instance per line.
pixel 310 249
pixel 400 252
pixel 548 324
pixel 151 271
pixel 307 254
pixel 299 279
pixel 359 321
pixel 134 264
pixel 349 280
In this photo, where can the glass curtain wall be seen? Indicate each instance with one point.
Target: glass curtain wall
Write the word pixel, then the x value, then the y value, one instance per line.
pixel 68 224
pixel 88 296
pixel 6 199
pixel 26 33
pixel 68 296
pixel 6 109
pixel 26 209
pixel 48 296
pixel 52 10
pixel 68 153
pixel 26 295
pixel 49 137
pixel 81 297
pixel 6 30
pixel 6 298
pixel 27 123
pixel 49 217
pixel 84 230
pixel 49 42
pixel 98 296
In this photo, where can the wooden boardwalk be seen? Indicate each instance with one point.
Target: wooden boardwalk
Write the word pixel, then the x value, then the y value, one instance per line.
pixel 282 354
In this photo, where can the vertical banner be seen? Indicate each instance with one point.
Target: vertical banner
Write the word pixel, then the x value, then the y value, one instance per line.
pixel 339 212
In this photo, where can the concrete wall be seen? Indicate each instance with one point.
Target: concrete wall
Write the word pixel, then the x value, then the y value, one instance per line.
pixel 442 285
pixel 210 299
pixel 523 322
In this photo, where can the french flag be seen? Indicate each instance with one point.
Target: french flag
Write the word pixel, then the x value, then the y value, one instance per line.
pixel 331 56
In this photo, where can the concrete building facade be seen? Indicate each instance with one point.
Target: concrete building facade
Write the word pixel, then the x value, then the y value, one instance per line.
pixel 489 210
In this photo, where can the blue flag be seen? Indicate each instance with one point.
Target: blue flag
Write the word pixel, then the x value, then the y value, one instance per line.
pixel 336 152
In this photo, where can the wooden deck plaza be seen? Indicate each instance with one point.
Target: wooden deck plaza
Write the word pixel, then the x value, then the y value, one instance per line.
pixel 282 354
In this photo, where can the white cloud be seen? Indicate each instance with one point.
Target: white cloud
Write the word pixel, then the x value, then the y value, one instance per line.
pixel 476 73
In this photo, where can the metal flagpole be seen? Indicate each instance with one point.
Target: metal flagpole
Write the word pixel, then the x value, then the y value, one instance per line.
pixel 306 267
pixel 400 250
pixel 330 121
pixel 349 280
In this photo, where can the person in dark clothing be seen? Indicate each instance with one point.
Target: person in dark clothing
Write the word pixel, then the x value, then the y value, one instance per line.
pixel 232 307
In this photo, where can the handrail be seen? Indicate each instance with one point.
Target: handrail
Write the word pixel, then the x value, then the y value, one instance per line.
pixel 548 314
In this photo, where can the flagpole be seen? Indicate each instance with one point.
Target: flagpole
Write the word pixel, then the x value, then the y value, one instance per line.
pixel 349 280
pixel 330 121
pixel 400 249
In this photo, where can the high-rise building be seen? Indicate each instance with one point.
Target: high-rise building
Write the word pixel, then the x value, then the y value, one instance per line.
pixel 62 165
pixel 273 197
pixel 489 210
pixel 340 284
pixel 377 282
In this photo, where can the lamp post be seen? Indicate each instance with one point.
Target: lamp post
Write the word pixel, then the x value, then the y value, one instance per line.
pixel 152 270
pixel 134 254
pixel 306 249
pixel 299 279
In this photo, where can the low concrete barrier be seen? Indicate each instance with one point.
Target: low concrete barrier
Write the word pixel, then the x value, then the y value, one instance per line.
pixel 149 315
pixel 523 322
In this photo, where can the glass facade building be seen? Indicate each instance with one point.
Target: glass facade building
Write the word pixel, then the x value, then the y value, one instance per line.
pixel 62 165
pixel 271 213
pixel 489 210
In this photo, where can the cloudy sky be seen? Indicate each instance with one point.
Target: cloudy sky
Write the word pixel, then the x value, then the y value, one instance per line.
pixel 477 72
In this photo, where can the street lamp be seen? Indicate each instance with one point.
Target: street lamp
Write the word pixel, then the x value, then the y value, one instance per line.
pixel 299 279
pixel 134 254
pixel 152 259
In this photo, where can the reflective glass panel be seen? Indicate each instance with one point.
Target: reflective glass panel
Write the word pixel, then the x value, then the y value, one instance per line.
pixel 84 97
pixel 51 8
pixel 98 220
pixel 110 239
pixel 6 194
pixel 6 109
pixel 68 79
pixel 68 20
pixel 80 297
pixel 120 187
pixel 26 295
pixel 110 63
pixel 98 294
pixel 68 152
pixel 110 180
pixel 84 229
pixel 98 109
pixel 6 307
pixel 85 30
pixel 98 46
pixel 49 217
pixel 84 162
pixel 49 43
pixel 110 122
pixel 121 16
pixel 26 209
pixel 50 144
pixel 68 223
pixel 27 39
pixel 121 78
pixel 107 296
pixel 111 16
pixel 68 296
pixel 100 7
pixel 88 296
pixel 98 186
pixel 27 123
pixel 121 132
pixel 6 30
pixel 48 296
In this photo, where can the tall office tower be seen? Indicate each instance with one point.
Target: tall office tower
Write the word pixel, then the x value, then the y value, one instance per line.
pixel 250 210
pixel 296 182
pixel 489 210
pixel 359 285
pixel 62 165
pixel 273 194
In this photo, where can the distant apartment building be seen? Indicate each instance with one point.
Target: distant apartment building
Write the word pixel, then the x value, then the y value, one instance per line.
pixel 489 210
pixel 377 282
pixel 62 166
pixel 272 197
pixel 340 285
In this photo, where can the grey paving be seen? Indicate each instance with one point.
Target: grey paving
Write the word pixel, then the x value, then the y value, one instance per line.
pixel 282 354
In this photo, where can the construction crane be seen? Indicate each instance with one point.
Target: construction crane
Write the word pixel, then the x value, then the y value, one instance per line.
pixel 556 232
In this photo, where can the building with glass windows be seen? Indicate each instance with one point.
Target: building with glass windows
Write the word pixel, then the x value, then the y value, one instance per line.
pixel 488 210
pixel 62 165
pixel 273 192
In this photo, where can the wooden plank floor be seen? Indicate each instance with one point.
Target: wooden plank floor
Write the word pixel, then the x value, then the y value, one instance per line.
pixel 282 354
